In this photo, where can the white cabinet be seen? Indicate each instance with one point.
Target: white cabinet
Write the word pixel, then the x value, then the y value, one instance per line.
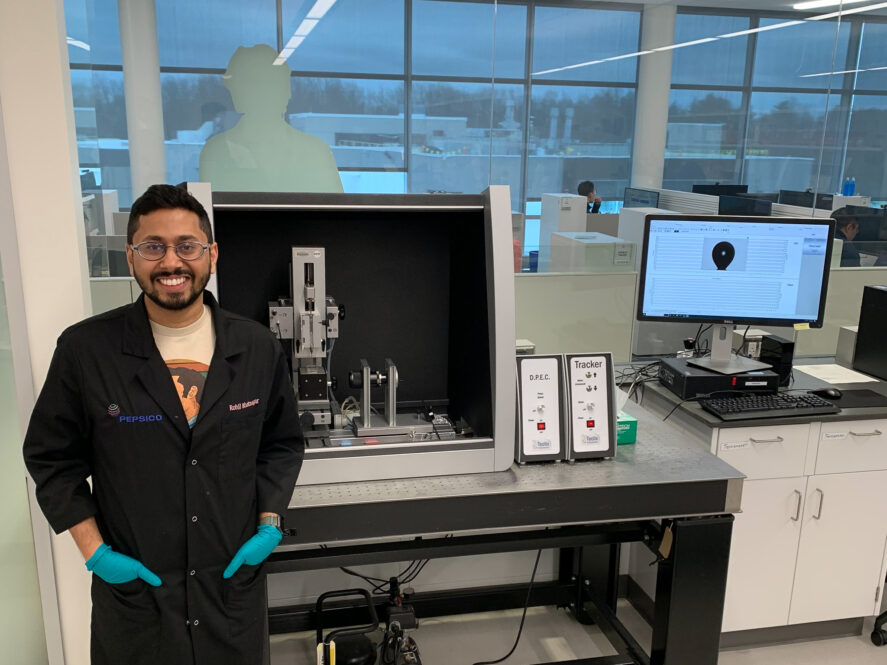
pixel 811 541
pixel 842 548
pixel 763 554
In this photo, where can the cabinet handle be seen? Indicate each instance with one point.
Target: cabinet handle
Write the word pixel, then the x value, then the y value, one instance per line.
pixel 778 439
pixel 821 501
pixel 877 432
pixel 797 507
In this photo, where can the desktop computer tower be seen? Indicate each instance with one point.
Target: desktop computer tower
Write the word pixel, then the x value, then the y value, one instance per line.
pixel 778 353
pixel 871 351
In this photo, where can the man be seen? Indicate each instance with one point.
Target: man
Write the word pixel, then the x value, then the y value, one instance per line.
pixel 586 189
pixel 191 471
pixel 847 226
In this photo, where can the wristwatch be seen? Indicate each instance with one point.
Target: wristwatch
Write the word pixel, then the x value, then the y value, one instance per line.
pixel 273 520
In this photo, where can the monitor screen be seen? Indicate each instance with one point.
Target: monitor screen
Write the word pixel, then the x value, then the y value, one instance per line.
pixel 640 198
pixel 709 269
pixel 743 205
pixel 720 190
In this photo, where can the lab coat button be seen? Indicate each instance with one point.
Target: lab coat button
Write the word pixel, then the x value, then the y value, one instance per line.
pixel 194 519
pixel 193 572
pixel 195 623
pixel 193 462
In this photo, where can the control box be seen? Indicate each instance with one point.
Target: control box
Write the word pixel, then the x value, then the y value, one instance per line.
pixel 541 431
pixel 591 411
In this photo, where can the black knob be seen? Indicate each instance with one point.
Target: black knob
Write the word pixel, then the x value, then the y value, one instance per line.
pixel 341 312
pixel 306 420
pixel 355 379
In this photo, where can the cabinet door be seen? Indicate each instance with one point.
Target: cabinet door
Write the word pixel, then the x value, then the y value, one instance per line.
pixel 842 548
pixel 763 553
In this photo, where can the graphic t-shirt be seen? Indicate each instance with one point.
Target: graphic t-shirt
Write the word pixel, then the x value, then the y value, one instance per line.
pixel 187 353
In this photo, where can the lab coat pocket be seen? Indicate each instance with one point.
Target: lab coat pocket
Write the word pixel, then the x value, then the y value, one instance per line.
pixel 125 621
pixel 244 596
pixel 133 598
pixel 239 446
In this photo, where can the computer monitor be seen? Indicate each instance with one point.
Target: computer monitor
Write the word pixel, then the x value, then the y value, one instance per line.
pixel 640 198
pixel 730 270
pixel 718 189
pixel 744 205
pixel 805 199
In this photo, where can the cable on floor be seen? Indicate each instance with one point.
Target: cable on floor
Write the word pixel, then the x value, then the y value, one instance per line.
pixel 523 617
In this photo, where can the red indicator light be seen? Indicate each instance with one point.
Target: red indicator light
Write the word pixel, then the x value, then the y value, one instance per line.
pixel 371 442
pixel 540 426
pixel 589 423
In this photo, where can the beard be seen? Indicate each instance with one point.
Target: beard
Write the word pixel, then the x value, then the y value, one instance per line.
pixel 174 301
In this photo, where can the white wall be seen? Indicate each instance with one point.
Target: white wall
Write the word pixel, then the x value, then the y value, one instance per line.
pixel 44 207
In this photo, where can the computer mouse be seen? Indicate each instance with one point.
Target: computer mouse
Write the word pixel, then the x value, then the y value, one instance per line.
pixel 827 393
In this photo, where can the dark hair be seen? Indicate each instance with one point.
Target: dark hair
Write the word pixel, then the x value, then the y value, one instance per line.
pixel 586 187
pixel 189 377
pixel 166 197
pixel 843 217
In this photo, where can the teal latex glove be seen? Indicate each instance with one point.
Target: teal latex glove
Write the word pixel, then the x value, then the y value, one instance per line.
pixel 116 568
pixel 255 550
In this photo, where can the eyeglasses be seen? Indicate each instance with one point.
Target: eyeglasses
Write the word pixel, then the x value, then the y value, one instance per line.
pixel 189 250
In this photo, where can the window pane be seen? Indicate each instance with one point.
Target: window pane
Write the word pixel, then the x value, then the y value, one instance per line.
pixel 785 57
pixel 438 26
pixel 100 124
pixel 867 146
pixel 93 32
pixel 195 107
pixel 784 139
pixel 873 53
pixel 579 133
pixel 205 33
pixel 703 138
pixel 714 63
pixel 564 37
pixel 361 120
pixel 452 139
pixel 353 36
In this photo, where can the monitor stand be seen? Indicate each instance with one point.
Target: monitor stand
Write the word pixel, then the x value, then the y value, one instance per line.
pixel 722 359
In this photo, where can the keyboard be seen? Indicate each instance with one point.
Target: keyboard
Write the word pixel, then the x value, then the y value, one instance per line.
pixel 747 407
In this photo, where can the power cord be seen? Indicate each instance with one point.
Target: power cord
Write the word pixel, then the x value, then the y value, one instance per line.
pixel 523 617
pixel 739 349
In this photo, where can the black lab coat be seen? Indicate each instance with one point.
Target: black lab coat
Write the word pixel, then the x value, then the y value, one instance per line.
pixel 180 501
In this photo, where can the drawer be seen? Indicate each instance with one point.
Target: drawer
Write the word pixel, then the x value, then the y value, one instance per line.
pixel 852 445
pixel 765 452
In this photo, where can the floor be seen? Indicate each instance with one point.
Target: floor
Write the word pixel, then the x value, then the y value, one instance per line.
pixel 552 635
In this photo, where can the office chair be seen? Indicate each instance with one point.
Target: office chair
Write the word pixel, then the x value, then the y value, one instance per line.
pixel 879 635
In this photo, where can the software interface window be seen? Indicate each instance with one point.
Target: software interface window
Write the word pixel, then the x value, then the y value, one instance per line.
pixel 734 270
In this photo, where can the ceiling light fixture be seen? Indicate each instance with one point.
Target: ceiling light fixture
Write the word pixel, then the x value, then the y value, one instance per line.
pixel 848 12
pixel 321 7
pixel 76 42
pixel 845 71
pixel 317 12
pixel 752 31
pixel 816 4
pixel 671 47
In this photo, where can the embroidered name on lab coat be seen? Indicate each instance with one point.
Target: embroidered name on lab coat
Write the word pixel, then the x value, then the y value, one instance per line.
pixel 239 406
